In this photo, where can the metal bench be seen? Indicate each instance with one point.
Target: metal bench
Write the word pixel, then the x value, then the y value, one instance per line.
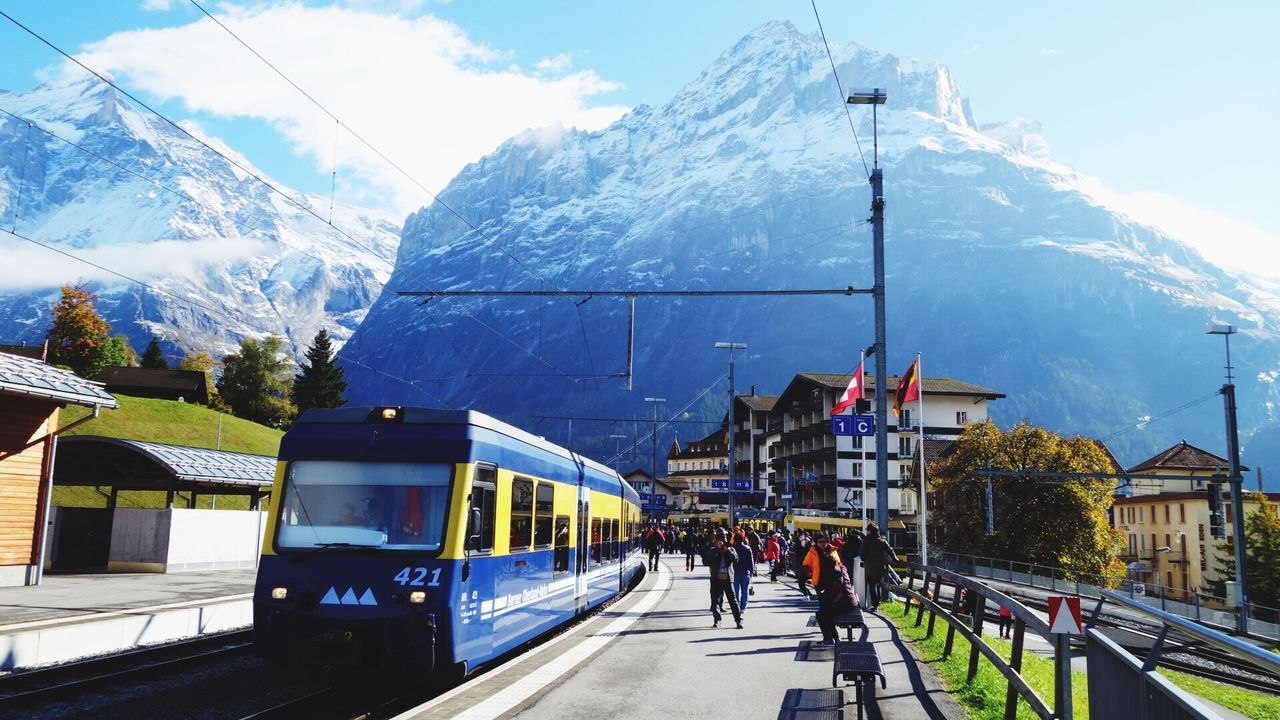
pixel 848 621
pixel 860 662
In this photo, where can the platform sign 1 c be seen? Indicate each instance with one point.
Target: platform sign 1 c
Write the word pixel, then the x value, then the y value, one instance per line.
pixel 1064 615
pixel 855 425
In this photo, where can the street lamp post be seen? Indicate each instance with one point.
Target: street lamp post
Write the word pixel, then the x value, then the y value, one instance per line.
pixel 655 401
pixel 874 97
pixel 1237 496
pixel 731 346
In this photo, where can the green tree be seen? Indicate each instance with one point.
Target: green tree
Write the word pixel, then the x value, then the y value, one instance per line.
pixel 321 382
pixel 114 352
pixel 204 363
pixel 153 356
pixel 1058 523
pixel 1261 551
pixel 255 382
pixel 78 334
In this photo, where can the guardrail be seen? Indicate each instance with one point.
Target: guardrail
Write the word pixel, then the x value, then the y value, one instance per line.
pixel 1024 618
pixel 1263 622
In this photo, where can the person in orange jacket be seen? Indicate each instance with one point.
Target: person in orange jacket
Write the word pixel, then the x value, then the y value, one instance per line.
pixel 821 564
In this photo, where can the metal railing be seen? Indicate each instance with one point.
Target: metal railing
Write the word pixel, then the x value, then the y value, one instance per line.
pixel 930 600
pixel 1264 622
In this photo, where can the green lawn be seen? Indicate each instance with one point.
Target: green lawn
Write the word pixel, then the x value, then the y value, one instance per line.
pixel 984 699
pixel 173 423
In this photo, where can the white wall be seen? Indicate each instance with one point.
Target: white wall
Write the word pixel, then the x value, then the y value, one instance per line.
pixel 171 540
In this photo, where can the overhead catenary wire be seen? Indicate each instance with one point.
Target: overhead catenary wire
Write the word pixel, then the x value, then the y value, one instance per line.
pixel 839 86
pixel 1142 424
pixel 664 423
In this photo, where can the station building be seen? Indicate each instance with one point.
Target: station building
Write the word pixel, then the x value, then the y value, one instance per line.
pixel 32 395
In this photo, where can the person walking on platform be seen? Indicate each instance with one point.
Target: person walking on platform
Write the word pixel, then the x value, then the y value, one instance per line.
pixel 653 540
pixel 773 554
pixel 744 568
pixel 689 543
pixel 721 560
pixel 876 556
pixel 802 548
pixel 820 564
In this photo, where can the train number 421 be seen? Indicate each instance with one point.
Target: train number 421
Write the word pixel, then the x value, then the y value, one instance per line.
pixel 416 577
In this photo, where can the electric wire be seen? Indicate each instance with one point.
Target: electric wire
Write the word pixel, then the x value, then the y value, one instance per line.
pixel 843 98
pixel 1163 415
pixel 662 424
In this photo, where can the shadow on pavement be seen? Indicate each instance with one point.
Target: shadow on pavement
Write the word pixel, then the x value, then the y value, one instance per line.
pixel 800 704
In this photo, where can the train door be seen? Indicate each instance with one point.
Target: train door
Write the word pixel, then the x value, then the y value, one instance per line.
pixel 583 563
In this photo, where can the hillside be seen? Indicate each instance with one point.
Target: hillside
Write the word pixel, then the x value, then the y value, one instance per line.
pixel 174 423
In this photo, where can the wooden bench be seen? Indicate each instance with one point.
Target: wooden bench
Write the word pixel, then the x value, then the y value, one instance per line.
pixel 849 621
pixel 860 662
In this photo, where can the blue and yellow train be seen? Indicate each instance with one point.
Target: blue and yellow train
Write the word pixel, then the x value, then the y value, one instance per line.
pixel 428 542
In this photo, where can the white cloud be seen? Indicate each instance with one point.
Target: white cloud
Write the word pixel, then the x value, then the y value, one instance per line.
pixel 30 267
pixel 971 50
pixel 416 88
pixel 157 5
pixel 1222 240
pixel 559 63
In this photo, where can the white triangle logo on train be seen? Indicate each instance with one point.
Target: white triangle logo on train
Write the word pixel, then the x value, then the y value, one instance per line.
pixel 367 598
pixel 349 597
pixel 330 598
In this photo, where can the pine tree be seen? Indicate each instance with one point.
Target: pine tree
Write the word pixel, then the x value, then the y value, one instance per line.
pixel 153 356
pixel 1262 546
pixel 255 382
pixel 322 381
pixel 78 334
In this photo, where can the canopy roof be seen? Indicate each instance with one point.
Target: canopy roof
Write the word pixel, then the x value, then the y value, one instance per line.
pixel 24 376
pixel 138 465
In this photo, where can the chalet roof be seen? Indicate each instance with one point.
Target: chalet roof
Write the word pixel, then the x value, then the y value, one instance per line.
pixel 1183 456
pixel 934 385
pixel 162 378
pixel 23 376
pixel 759 403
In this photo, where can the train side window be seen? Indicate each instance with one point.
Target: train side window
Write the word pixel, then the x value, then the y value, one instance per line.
pixel 521 514
pixel 544 501
pixel 595 539
pixel 483 496
pixel 561 559
pixel 613 539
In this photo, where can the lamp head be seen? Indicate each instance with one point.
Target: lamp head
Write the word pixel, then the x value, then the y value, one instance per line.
pixel 1219 329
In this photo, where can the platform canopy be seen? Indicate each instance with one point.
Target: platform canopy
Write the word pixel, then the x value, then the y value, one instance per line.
pixel 136 465
pixel 26 377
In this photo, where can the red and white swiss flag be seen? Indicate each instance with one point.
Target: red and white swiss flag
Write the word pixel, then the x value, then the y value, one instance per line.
pixel 852 394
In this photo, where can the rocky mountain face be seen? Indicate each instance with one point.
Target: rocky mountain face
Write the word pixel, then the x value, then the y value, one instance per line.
pixel 219 255
pixel 1001 268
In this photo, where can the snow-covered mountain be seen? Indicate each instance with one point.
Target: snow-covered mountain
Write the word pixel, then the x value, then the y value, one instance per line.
pixel 224 257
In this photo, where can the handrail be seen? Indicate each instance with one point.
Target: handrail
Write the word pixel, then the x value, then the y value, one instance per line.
pixel 1028 616
pixel 1249 653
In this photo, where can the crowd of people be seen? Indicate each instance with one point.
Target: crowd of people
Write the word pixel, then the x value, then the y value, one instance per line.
pixel 819 563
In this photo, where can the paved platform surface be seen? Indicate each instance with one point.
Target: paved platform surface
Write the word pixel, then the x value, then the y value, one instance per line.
pixel 69 597
pixel 657 656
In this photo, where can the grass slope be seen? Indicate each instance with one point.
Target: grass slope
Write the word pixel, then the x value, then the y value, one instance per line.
pixel 173 423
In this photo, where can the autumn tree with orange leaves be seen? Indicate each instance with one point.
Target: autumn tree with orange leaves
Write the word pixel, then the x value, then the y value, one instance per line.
pixel 80 339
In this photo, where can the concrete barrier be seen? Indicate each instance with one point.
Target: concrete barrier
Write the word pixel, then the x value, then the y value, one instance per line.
pixel 176 539
pixel 48 642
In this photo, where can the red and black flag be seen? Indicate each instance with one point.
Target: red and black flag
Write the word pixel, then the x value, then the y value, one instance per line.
pixel 908 387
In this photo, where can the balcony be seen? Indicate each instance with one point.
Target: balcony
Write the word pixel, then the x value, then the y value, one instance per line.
pixel 806 433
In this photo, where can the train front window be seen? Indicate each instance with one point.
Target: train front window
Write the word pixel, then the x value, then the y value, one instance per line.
pixel 394 506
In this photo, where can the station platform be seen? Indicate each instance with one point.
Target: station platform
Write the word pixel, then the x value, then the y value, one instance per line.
pixel 74 616
pixel 655 654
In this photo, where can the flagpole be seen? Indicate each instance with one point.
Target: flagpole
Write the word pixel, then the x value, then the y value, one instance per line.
pixel 924 500
pixel 862 358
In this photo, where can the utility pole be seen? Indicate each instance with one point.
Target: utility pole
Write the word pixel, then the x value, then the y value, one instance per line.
pixel 655 401
pixel 1237 495
pixel 875 97
pixel 731 346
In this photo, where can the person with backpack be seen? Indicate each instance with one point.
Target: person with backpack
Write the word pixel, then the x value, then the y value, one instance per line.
pixel 876 556
pixel 653 540
pixel 721 559
pixel 744 568
pixel 820 566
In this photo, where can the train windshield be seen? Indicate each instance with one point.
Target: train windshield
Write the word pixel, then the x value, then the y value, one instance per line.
pixel 393 506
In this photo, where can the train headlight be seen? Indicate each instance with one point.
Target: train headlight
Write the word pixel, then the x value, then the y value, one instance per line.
pixel 417 597
pixel 280 593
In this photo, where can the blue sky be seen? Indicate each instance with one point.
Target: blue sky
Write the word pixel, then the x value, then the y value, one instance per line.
pixel 1173 98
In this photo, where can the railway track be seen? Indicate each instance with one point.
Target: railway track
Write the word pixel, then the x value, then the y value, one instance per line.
pixel 64 681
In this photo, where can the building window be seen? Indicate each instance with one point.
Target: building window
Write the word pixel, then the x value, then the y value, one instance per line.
pixel 904 418
pixel 1166 513
pixel 1141 515
pixel 857 442
pixel 904 473
pixel 1182 513
pixel 857 471
pixel 904 447
pixel 962 418
pixel 1142 542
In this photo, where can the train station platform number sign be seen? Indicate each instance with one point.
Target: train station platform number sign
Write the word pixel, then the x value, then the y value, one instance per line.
pixel 856 425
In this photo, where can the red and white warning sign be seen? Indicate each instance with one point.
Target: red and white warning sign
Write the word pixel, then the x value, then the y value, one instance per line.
pixel 1064 615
